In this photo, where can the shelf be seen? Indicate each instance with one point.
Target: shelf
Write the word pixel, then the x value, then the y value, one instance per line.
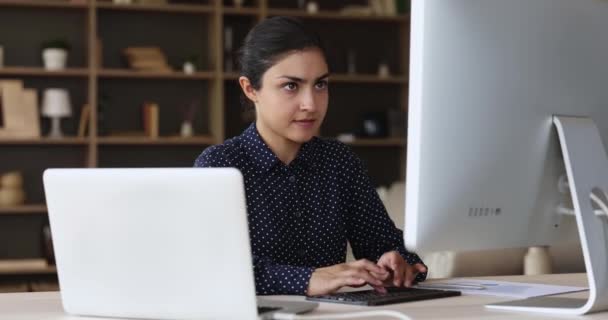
pixel 26 266
pixel 168 8
pixel 176 140
pixel 334 15
pixel 42 4
pixel 244 11
pixel 23 209
pixel 131 74
pixel 381 142
pixel 366 78
pixel 345 78
pixel 45 141
pixel 41 72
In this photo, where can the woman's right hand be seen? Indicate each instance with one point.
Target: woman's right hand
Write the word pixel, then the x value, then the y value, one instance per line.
pixel 354 274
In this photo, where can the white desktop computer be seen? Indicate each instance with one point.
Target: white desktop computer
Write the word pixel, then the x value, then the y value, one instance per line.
pixel 499 91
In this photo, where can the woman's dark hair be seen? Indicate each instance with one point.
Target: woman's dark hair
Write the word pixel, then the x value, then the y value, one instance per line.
pixel 269 40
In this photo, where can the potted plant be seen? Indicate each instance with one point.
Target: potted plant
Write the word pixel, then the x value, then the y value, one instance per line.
pixel 55 54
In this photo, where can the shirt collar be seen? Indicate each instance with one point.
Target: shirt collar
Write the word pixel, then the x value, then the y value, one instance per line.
pixel 262 156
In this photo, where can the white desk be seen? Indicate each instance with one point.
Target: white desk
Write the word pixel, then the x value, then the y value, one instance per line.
pixel 47 305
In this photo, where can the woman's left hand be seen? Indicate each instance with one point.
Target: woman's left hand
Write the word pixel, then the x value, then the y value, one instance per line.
pixel 403 273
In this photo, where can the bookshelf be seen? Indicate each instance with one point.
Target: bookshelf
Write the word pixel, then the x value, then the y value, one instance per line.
pixel 98 76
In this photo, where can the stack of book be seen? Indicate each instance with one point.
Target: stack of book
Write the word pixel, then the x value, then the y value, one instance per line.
pixel 147 59
pixel 19 117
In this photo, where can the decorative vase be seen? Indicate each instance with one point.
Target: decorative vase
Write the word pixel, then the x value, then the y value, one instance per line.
pixel 537 261
pixel 312 7
pixel 186 130
pixel 11 197
pixel 11 180
pixel 189 67
pixel 54 58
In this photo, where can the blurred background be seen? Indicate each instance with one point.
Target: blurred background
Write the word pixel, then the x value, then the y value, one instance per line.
pixel 152 83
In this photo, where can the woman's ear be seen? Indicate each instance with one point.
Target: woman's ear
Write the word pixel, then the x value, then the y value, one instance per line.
pixel 248 89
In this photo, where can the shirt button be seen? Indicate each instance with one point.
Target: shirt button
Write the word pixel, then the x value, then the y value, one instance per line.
pixel 292 179
pixel 302 252
pixel 298 214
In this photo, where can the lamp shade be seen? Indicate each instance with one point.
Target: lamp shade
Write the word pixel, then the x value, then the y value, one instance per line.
pixel 56 103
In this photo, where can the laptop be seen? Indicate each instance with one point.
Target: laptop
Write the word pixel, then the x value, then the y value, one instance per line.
pixel 155 243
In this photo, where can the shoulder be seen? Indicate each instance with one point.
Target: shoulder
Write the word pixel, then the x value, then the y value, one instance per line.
pixel 220 155
pixel 335 151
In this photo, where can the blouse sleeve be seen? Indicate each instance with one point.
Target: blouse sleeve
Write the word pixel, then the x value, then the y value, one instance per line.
pixel 371 232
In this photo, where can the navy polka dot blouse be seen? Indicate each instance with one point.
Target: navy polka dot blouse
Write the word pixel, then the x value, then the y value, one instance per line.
pixel 301 215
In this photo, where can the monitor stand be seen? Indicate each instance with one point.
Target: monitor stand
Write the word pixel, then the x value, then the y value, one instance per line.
pixel 587 169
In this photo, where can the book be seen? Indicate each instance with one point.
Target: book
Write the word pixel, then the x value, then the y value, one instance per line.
pixel 30 125
pixel 83 124
pixel 14 119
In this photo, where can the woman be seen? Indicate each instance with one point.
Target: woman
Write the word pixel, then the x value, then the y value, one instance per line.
pixel 306 196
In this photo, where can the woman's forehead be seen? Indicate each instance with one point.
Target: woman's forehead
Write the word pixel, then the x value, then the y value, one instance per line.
pixel 304 64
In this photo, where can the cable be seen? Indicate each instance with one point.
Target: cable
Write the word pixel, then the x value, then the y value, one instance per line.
pixel 349 315
pixel 600 203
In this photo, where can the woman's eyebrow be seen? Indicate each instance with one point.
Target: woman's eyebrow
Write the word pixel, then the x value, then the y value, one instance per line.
pixel 300 80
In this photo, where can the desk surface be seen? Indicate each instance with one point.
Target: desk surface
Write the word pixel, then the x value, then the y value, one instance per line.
pixel 47 305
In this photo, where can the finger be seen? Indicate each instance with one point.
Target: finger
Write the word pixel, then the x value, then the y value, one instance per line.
pixel 365 275
pixel 412 272
pixel 353 282
pixel 398 272
pixel 380 276
pixel 380 289
pixel 410 275
pixel 368 265
pixel 420 267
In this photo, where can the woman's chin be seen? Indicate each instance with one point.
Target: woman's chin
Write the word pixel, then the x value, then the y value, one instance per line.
pixel 301 137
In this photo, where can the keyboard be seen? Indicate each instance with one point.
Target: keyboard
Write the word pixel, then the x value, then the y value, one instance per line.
pixel 262 310
pixel 393 295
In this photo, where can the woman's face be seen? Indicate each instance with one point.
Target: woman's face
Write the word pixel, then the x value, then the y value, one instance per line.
pixel 292 100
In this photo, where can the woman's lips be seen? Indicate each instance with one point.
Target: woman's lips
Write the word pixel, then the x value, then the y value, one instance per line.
pixel 307 123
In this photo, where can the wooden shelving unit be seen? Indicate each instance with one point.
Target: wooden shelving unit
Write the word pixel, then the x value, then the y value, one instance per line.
pixel 43 4
pixel 130 74
pixel 388 142
pixel 40 72
pixel 241 11
pixel 118 26
pixel 168 8
pixel 346 78
pixel 49 270
pixel 195 141
pixel 67 141
pixel 24 209
pixel 328 15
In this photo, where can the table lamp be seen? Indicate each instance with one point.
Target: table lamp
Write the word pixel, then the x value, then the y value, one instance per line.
pixel 56 105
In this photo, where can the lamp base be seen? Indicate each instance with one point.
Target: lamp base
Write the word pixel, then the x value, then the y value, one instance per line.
pixel 55 132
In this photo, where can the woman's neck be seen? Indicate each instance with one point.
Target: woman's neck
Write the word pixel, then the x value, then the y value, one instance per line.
pixel 285 149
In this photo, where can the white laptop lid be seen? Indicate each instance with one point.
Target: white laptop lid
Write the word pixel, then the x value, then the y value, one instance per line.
pixel 151 243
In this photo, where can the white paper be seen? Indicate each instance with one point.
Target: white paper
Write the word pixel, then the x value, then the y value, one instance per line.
pixel 499 288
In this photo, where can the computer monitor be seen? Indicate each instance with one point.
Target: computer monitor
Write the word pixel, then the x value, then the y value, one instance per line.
pixel 485 170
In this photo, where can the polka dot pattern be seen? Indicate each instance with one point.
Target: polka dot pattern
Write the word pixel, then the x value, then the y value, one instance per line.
pixel 302 215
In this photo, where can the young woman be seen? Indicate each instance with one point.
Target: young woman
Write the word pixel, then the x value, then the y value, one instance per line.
pixel 306 196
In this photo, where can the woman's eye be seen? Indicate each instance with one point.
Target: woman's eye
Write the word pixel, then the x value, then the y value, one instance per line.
pixel 321 84
pixel 291 86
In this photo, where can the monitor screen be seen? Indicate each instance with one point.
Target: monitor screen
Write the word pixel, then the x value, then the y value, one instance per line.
pixel 484 163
